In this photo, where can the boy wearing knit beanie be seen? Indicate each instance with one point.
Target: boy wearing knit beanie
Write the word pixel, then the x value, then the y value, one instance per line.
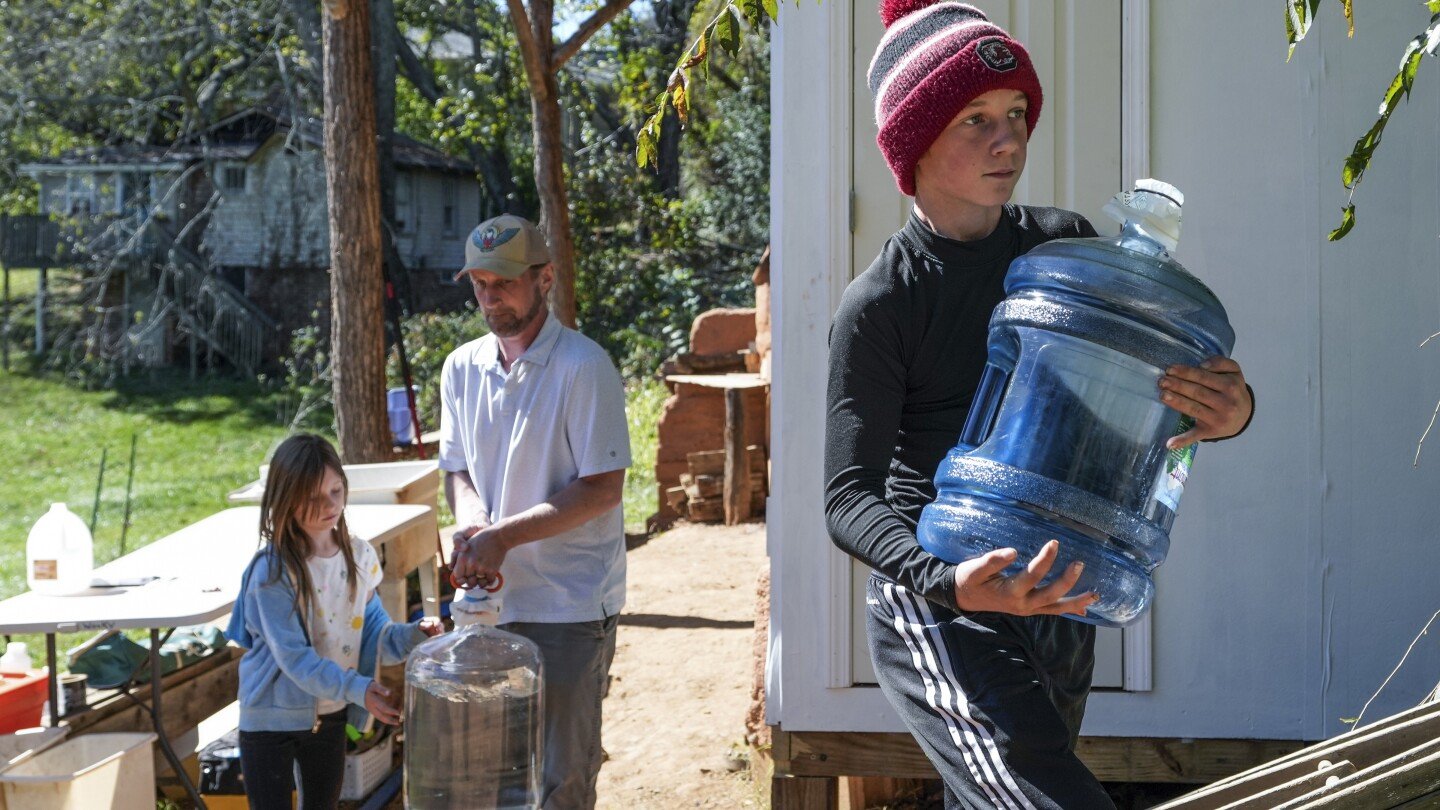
pixel 982 668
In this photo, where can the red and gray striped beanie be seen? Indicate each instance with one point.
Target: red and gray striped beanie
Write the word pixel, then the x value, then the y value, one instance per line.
pixel 934 58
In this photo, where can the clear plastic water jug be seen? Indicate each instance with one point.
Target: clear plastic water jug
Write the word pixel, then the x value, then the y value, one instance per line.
pixel 1066 436
pixel 59 553
pixel 472 721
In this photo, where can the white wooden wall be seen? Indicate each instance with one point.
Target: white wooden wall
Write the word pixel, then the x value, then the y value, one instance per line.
pixel 280 219
pixel 1305 556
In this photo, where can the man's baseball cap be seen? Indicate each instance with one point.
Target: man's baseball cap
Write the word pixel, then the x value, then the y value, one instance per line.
pixel 506 246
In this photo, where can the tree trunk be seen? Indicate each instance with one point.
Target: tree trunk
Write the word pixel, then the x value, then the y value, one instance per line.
pixel 549 148
pixel 352 186
pixel 672 18
pixel 554 202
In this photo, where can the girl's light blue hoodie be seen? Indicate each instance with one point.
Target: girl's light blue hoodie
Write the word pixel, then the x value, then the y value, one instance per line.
pixel 281 674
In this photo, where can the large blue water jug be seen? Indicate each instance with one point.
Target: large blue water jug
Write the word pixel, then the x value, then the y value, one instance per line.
pixel 1066 436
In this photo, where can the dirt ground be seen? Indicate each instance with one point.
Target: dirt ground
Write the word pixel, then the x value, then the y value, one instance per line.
pixel 681 678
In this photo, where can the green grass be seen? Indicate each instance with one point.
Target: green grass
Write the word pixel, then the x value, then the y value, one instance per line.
pixel 63 285
pixel 195 441
pixel 644 401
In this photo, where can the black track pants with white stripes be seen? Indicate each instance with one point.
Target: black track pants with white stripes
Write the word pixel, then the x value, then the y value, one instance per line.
pixel 995 700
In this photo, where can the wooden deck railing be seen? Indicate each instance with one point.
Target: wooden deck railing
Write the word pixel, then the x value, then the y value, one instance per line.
pixel 205 305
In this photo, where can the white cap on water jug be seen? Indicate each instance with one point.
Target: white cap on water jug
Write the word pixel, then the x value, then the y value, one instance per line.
pixel 1153 208
pixel 16 658
pixel 475 606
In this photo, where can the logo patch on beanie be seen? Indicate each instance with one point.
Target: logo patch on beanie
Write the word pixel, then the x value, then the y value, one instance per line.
pixel 996 55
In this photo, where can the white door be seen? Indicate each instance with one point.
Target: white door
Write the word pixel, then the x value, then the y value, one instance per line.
pixel 1074 162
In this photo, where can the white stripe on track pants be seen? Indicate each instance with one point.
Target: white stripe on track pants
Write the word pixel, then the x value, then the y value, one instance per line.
pixel 994 700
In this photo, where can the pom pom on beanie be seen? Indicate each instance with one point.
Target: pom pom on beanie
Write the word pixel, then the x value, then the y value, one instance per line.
pixel 934 58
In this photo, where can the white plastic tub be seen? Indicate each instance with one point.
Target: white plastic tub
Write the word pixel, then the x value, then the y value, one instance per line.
pixel 409 482
pixel 115 771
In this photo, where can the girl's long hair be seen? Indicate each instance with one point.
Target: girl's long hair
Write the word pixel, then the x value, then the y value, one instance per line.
pixel 297 471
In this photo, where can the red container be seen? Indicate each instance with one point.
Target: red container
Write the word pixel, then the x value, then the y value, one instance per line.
pixel 22 696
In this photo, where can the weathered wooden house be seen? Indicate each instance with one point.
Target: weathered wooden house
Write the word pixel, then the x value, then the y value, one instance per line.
pixel 245 200
pixel 1304 557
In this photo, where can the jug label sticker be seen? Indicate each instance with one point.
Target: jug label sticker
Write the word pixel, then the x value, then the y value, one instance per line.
pixel 1177 469
pixel 47 569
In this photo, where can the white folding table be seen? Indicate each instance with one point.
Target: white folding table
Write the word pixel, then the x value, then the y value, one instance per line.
pixel 197 572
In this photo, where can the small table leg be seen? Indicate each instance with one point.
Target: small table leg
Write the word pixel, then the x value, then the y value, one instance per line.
pixel 155 691
pixel 430 587
pixel 53 679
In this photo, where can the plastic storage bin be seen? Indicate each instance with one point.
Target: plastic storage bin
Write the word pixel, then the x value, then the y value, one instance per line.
pixel 115 771
pixel 364 771
pixel 397 407
pixel 20 746
pixel 22 695
pixel 407 482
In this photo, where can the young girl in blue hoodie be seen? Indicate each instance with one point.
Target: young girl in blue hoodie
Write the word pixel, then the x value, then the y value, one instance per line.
pixel 312 627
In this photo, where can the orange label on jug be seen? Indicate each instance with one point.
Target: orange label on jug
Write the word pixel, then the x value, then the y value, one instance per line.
pixel 47 569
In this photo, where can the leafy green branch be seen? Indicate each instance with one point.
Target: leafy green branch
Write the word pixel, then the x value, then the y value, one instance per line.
pixel 723 31
pixel 1299 15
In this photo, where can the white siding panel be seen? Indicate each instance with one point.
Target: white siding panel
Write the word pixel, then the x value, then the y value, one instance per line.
pixel 1378 292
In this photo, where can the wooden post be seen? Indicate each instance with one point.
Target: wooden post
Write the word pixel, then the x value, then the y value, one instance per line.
pixel 737 463
pixel 5 327
pixel 40 311
pixel 804 793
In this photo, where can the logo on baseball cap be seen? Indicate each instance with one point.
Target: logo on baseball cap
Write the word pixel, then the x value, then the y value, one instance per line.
pixel 506 245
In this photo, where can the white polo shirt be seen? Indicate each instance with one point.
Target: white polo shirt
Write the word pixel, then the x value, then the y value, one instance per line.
pixel 558 415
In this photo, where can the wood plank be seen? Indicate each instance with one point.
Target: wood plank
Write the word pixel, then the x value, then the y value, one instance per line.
pixel 99 715
pixel 803 793
pixel 675 496
pixel 755 455
pixel 687 363
pixel 1111 759
pixel 702 486
pixel 413 547
pixel 706 462
pixel 1143 759
pixel 697 487
pixel 831 753
pixel 1401 778
pixel 1266 799
pixel 740 381
pixel 737 472
pixel 865 792
pixel 1363 747
pixel 710 510
pixel 712 462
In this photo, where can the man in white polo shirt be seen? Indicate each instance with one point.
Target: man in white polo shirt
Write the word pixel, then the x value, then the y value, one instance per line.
pixel 534 444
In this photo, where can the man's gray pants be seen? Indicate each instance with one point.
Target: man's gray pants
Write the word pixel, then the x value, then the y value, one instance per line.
pixel 576 658
pixel 994 700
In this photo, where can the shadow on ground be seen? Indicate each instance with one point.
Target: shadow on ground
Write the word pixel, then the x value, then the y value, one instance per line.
pixel 662 621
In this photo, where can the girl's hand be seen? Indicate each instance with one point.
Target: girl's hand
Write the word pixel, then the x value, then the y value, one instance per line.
pixel 431 626
pixel 377 702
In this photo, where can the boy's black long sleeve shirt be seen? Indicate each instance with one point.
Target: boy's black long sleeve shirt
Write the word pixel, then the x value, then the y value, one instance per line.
pixel 907 349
